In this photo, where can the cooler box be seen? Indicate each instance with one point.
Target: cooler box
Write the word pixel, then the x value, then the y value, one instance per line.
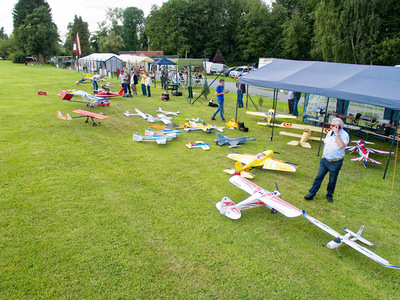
pixel 65 96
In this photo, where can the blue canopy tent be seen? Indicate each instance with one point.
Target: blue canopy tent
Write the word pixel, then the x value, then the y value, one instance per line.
pixel 373 85
pixel 163 61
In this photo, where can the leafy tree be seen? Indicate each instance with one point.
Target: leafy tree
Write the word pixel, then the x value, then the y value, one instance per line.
pixel 37 35
pixel 111 43
pixel 132 27
pixel 81 27
pixel 3 35
pixel 7 46
pixel 23 8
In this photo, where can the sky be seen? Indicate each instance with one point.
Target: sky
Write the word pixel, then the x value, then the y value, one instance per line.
pixel 63 12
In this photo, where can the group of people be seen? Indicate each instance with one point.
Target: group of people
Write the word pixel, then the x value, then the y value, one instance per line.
pixel 129 80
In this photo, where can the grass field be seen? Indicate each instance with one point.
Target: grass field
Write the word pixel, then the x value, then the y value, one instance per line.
pixel 85 213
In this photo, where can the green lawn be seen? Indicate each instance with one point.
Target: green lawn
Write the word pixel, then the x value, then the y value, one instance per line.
pixel 85 213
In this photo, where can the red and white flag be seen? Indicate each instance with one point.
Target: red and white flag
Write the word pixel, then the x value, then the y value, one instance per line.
pixel 74 47
pixel 79 44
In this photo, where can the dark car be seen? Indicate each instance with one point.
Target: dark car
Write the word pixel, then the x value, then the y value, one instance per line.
pixel 227 71
pixel 30 58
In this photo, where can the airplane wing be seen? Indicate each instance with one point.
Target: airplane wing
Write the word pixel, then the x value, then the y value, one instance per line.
pixel 161 141
pixel 379 151
pixel 233 144
pixel 244 158
pixel 91 114
pixel 369 254
pixel 258 113
pixel 269 199
pixel 300 126
pixel 275 164
pixel 320 224
pixel 284 116
pixel 299 135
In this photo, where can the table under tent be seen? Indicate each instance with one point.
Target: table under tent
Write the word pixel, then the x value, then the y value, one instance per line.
pixel 372 85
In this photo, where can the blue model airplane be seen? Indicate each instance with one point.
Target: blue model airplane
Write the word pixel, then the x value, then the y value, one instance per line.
pixel 233 142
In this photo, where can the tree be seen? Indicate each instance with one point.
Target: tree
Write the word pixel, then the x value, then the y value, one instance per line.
pixel 37 35
pixel 132 27
pixel 78 26
pixel 111 43
pixel 23 8
pixel 3 35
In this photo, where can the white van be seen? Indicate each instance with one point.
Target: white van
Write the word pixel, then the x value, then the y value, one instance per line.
pixel 218 68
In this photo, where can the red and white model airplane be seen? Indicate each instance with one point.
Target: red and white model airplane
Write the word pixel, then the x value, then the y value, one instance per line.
pixel 364 152
pixel 107 93
pixel 83 113
pixel 349 239
pixel 258 197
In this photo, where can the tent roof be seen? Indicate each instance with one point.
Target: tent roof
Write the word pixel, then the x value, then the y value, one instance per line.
pixel 164 61
pixel 374 85
pixel 98 56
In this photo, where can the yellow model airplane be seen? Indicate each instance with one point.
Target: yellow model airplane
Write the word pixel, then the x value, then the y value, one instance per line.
pixel 307 131
pixel 269 115
pixel 263 159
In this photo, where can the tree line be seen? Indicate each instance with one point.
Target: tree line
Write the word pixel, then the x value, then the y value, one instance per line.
pixel 349 31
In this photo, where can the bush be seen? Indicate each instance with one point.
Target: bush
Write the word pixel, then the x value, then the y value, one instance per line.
pixel 18 57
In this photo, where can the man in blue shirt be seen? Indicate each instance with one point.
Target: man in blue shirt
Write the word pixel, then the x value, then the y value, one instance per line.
pixel 332 159
pixel 219 91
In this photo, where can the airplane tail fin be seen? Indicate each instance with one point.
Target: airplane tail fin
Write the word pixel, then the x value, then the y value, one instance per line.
pixel 294 143
pixel 190 145
pixel 137 137
pixel 228 208
pixel 238 166
pixel 121 92
pixel 66 117
pixel 357 236
pixel 127 114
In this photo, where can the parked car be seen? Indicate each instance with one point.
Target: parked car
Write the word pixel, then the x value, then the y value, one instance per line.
pixel 227 71
pixel 218 68
pixel 30 58
pixel 239 71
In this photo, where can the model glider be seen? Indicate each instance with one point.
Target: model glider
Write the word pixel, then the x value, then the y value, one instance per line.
pixel 159 139
pixel 199 144
pixel 245 162
pixel 268 116
pixel 160 117
pixel 83 113
pixel 171 132
pixel 87 98
pixel 258 197
pixel 232 142
pixel 349 239
pixel 364 152
pixel 173 113
pixel 193 126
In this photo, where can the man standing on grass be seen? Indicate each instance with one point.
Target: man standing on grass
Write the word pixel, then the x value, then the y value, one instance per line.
pixel 332 159
pixel 219 92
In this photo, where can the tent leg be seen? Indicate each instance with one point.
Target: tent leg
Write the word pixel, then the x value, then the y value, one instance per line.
pixel 323 126
pixel 391 148
pixel 274 105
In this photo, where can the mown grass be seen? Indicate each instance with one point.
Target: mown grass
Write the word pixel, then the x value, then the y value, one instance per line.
pixel 87 213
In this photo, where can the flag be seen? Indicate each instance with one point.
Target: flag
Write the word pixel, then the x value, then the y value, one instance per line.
pixel 74 47
pixel 79 44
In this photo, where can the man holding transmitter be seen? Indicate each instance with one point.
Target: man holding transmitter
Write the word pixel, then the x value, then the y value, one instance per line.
pixel 332 159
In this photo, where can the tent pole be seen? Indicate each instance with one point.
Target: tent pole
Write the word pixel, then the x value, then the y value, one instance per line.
pixel 391 148
pixel 274 104
pixel 247 96
pixel 323 126
pixel 208 87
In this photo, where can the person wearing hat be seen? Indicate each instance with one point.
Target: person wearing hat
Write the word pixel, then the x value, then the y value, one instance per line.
pixel 219 92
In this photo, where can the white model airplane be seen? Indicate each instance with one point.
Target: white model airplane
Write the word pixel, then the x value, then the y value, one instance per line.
pixel 160 117
pixel 169 132
pixel 198 144
pixel 349 239
pixel 158 138
pixel 193 126
pixel 173 113
pixel 259 197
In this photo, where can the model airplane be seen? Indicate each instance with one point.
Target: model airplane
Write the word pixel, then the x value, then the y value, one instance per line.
pixel 87 98
pixel 263 159
pixel 269 115
pixel 83 113
pixel 364 152
pixel 232 124
pixel 199 144
pixel 258 197
pixel 173 113
pixel 232 142
pixel 307 131
pixel 349 239
pixel 159 139
pixel 193 126
pixel 151 132
pixel 107 93
pixel 160 117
